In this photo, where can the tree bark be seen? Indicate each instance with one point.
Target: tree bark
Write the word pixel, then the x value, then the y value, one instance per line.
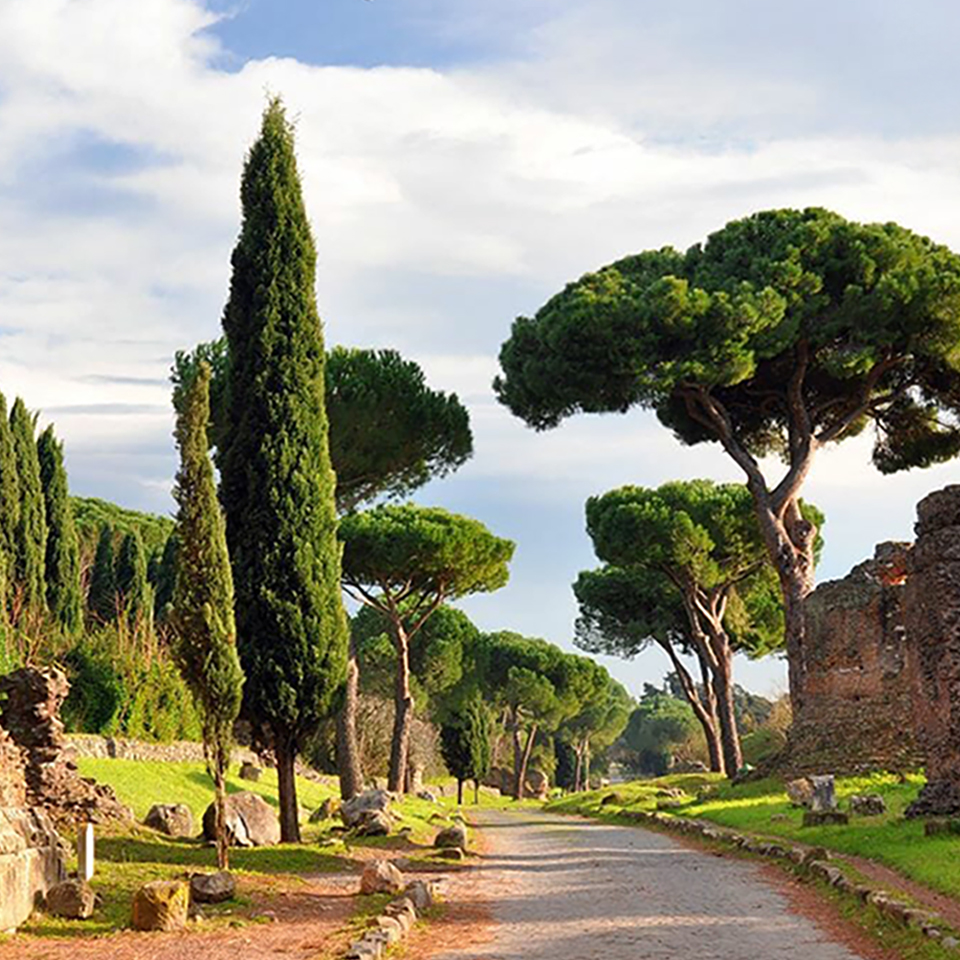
pixel 403 717
pixel 578 769
pixel 730 736
pixel 220 799
pixel 348 749
pixel 286 753
pixel 459 793
pixel 705 712
pixel 517 751
pixel 525 760
pixel 476 792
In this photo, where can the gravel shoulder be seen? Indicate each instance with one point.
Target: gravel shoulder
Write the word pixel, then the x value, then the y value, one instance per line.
pixel 559 888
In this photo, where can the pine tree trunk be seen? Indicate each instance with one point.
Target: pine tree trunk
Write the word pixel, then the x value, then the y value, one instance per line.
pixel 522 776
pixel 517 753
pixel 586 763
pixel 403 718
pixel 286 755
pixel 578 769
pixel 348 749
pixel 476 792
pixel 730 737
pixel 704 708
pixel 459 792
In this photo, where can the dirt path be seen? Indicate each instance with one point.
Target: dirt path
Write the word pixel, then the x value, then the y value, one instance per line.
pixel 563 889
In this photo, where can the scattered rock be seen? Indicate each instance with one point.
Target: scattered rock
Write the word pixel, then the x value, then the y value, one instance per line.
pixel 800 792
pixel 374 823
pixel 213 887
pixel 450 853
pixel 939 827
pixel 251 821
pixel 172 819
pixel 821 818
pixel 421 893
pixel 250 771
pixel 381 876
pixel 455 836
pixel 537 784
pixel 867 805
pixel 824 797
pixel 780 818
pixel 356 809
pixel 427 795
pixel 673 793
pixel 161 905
pixel 72 899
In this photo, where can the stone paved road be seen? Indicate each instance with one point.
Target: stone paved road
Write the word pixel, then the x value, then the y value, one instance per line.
pixel 563 889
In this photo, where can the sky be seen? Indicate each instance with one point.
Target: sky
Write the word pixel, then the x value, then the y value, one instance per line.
pixel 461 162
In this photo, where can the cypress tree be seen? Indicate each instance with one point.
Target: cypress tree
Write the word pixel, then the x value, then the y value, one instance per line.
pixel 277 484
pixel 102 597
pixel 9 493
pixel 132 577
pixel 164 578
pixel 203 616
pixel 31 531
pixel 63 545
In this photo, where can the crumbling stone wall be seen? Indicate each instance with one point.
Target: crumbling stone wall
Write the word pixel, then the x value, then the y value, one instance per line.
pixel 933 619
pixel 857 697
pixel 30 701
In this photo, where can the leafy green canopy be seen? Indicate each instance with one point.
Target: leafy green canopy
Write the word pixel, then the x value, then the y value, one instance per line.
pixel 389 432
pixel 657 726
pixel 277 485
pixel 102 595
pixel 783 320
pixel 408 551
pixel 64 595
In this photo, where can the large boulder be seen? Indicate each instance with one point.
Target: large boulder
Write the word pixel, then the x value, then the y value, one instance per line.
pixel 212 887
pixel 161 905
pixel 381 876
pixel 251 821
pixel 455 836
pixel 800 792
pixel 250 771
pixel 173 819
pixel 537 784
pixel 72 899
pixel 368 813
pixel 31 862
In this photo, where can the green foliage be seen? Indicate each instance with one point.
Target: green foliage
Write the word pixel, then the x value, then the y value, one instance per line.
pixel 389 432
pixel 9 499
pixel 408 551
pixel 465 741
pixel 277 485
pixel 659 724
pixel 163 577
pixel 92 515
pixel 64 596
pixel 96 695
pixel 134 593
pixel 102 595
pixel 203 616
pixel 31 530
pixel 872 312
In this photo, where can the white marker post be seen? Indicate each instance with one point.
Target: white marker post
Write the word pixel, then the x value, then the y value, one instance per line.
pixel 85 851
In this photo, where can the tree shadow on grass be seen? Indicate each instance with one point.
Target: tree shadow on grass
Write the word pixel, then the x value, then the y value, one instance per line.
pixel 191 853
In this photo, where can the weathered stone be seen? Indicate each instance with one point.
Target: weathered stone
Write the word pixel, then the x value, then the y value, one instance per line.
pixel 421 893
pixel 940 827
pixel 391 927
pixel 933 616
pixel 72 899
pixel 455 836
pixel 161 905
pixel 374 823
pixel 450 853
pixel 352 811
pixel 30 701
pixel 854 677
pixel 800 791
pixel 213 887
pixel 867 805
pixel 822 818
pixel 250 771
pixel 824 797
pixel 173 819
pixel 31 862
pixel 250 820
pixel 427 795
pixel 537 784
pixel 381 876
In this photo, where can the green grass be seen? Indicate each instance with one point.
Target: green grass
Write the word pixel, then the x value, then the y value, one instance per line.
pixel 763 808
pixel 142 783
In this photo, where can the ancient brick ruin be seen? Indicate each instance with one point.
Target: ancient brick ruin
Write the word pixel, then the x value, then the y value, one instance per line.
pixel 933 617
pixel 30 701
pixel 856 705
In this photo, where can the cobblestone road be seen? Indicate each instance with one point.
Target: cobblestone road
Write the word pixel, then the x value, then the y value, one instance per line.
pixel 563 889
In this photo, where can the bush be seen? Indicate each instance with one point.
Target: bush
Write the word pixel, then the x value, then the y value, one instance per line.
pixel 96 692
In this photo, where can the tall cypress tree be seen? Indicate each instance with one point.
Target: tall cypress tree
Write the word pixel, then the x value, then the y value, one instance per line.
pixel 63 545
pixel 9 508
pixel 102 596
pixel 31 531
pixel 277 485
pixel 203 616
pixel 132 577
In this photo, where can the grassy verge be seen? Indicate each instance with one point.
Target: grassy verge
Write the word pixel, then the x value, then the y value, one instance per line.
pixel 764 808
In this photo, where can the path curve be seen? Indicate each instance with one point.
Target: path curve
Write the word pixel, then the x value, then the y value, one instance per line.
pixel 573 889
